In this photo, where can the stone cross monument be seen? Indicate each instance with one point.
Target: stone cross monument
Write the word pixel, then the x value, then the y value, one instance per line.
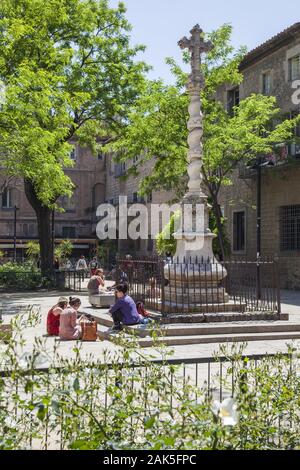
pixel 195 273
pixel 196 46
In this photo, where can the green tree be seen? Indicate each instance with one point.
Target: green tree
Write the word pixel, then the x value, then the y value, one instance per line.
pixel 157 128
pixel 70 74
pixel 165 241
pixel 63 250
pixel 33 251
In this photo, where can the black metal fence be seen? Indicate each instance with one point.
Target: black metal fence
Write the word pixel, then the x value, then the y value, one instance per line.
pixel 20 281
pixel 70 280
pixel 211 378
pixel 204 287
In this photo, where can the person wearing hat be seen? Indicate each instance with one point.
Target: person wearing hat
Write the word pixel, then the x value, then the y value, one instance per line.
pixel 53 317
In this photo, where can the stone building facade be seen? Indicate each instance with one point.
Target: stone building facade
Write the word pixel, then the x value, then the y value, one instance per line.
pixel 118 184
pixel 272 69
pixel 76 223
pixel 97 179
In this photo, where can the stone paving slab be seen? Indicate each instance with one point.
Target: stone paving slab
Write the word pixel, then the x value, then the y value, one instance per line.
pixel 291 305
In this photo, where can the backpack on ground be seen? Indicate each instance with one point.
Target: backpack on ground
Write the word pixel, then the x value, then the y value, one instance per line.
pixel 89 329
pixel 141 310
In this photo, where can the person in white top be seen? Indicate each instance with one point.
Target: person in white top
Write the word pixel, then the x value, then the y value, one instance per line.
pixel 68 265
pixel 81 266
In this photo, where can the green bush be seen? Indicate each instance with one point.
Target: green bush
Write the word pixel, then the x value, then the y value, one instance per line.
pixel 86 404
pixel 33 251
pixel 20 276
pixel 165 241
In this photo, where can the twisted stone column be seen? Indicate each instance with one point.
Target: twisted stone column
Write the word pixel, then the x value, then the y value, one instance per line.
pixel 195 273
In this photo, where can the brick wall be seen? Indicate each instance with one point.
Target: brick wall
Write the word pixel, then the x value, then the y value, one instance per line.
pixel 280 186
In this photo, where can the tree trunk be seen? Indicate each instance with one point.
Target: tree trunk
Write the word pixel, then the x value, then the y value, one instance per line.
pixel 218 216
pixel 43 214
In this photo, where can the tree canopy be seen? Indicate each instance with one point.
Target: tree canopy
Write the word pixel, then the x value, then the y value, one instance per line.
pixel 157 122
pixel 69 71
pixel 70 74
pixel 157 125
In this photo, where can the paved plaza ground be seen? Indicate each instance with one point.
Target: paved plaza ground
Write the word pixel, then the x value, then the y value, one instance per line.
pixel 290 304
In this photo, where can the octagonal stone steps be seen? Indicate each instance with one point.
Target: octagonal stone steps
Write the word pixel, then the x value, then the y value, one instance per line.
pixel 183 334
pixel 222 317
pixel 225 338
pixel 147 341
pixel 205 328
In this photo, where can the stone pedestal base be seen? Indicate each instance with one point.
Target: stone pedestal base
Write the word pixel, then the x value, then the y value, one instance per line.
pixel 184 312
pixel 203 296
pixel 195 276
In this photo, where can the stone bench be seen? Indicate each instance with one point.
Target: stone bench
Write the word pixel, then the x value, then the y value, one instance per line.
pixel 102 300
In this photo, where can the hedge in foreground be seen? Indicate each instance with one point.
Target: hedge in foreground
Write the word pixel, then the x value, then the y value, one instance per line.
pixel 81 403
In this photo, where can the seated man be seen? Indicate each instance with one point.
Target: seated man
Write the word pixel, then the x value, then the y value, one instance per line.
pixel 124 312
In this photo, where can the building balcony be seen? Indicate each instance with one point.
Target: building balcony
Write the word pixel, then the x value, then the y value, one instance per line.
pixel 288 155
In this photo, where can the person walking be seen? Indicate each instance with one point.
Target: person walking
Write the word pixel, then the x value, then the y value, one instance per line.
pixel 68 265
pixel 81 266
pixel 118 276
pixel 56 264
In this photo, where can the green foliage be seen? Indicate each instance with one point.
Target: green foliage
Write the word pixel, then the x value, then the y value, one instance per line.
pixel 69 72
pixel 70 75
pixel 157 125
pixel 165 241
pixel 102 254
pixel 106 253
pixel 33 251
pixel 157 128
pixel 216 241
pixel 17 276
pixel 83 404
pixel 157 122
pixel 63 250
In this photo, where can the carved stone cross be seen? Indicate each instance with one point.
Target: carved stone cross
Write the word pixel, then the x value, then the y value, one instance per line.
pixel 196 45
pixel 194 238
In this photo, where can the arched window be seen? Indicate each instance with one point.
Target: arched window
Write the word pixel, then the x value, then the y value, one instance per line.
pixel 68 203
pixel 8 198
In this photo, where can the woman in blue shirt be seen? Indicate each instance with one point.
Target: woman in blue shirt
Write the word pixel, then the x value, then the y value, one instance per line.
pixel 124 311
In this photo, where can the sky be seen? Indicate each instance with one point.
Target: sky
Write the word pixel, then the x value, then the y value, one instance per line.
pixel 159 24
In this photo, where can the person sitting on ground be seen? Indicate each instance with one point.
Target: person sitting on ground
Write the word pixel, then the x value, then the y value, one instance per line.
pixel 124 311
pixel 69 328
pixel 96 284
pixel 53 317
